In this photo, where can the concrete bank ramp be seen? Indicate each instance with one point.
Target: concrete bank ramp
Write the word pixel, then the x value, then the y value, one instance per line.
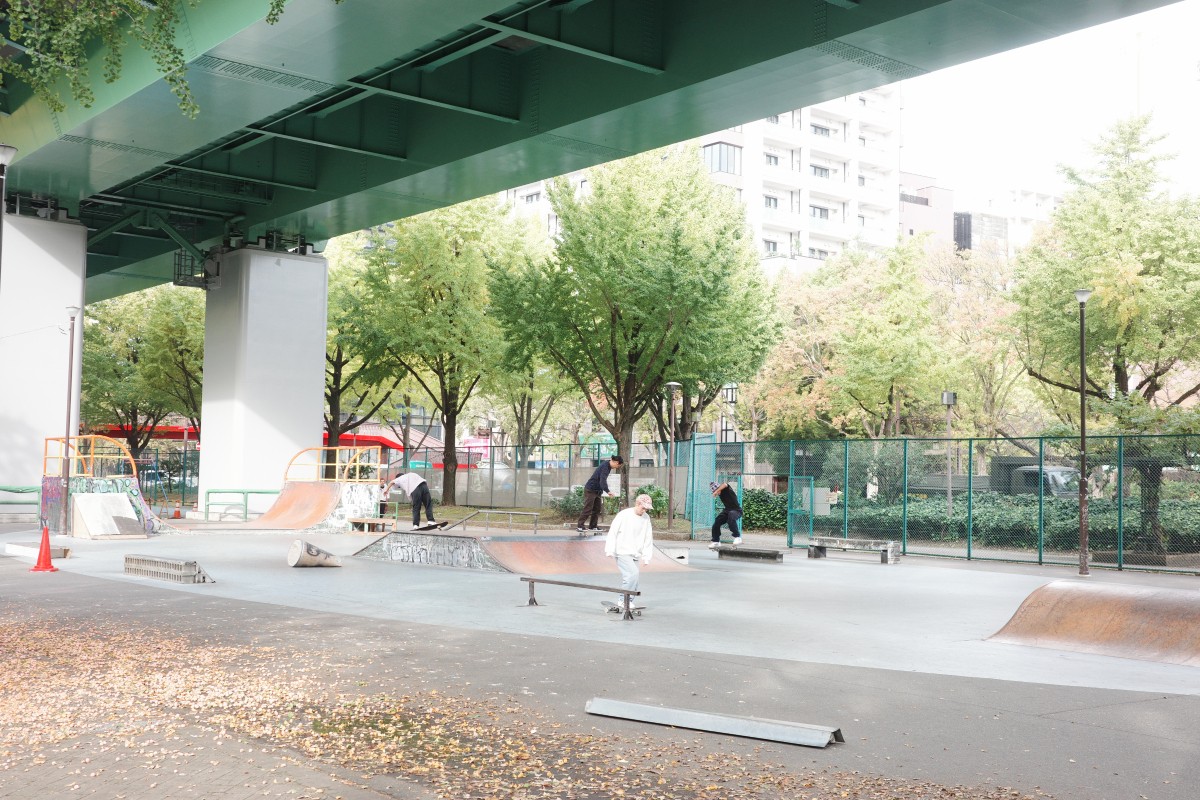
pixel 1140 622
pixel 527 555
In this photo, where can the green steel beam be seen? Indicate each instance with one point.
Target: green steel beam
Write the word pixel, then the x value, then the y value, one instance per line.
pixel 321 143
pixel 487 41
pixel 105 232
pixel 175 235
pixel 571 48
pixel 429 101
pixel 248 179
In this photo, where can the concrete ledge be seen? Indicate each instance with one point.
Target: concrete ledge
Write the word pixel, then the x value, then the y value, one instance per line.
pixel 750 554
pixel 31 549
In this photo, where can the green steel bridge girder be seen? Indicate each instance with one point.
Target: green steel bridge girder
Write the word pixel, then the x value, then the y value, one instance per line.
pixel 345 116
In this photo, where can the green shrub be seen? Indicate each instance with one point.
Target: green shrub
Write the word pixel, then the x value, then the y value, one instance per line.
pixel 763 509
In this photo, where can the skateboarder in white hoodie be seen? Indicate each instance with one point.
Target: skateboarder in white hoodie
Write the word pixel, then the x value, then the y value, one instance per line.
pixel 417 490
pixel 630 540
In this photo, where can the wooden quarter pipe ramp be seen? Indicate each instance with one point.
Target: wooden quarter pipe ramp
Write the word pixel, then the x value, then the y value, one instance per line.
pixel 1140 622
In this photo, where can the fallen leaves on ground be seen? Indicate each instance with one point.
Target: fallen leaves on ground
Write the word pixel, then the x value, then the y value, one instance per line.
pixel 137 686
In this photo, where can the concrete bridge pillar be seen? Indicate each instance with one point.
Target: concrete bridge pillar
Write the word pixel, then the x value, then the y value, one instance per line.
pixel 264 369
pixel 42 274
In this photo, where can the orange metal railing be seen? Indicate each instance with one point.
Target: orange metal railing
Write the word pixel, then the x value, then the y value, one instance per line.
pixel 87 456
pixel 341 464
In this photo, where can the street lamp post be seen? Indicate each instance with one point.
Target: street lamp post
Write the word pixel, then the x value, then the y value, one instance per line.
pixel 948 400
pixel 72 312
pixel 7 154
pixel 671 386
pixel 1082 296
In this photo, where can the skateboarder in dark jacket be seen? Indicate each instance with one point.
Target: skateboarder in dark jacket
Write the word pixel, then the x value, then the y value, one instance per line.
pixel 728 516
pixel 596 486
pixel 417 490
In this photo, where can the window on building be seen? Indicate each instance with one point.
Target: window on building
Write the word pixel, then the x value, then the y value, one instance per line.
pixel 862 221
pixel 862 180
pixel 770 246
pixel 818 212
pixel 815 253
pixel 819 130
pixel 773 119
pixel 862 141
pixel 533 197
pixel 552 224
pixel 772 161
pixel 862 101
pixel 819 171
pixel 582 184
pixel 770 201
pixel 723 157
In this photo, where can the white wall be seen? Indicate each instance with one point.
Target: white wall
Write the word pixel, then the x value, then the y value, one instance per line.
pixel 264 369
pixel 43 272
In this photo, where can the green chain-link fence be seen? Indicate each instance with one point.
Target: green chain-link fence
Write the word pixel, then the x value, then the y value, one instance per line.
pixel 1009 499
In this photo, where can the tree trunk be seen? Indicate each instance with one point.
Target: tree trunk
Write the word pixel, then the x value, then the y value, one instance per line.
pixel 449 458
pixel 625 448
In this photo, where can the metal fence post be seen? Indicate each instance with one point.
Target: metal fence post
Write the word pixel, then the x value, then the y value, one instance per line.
pixel 846 490
pixel 970 491
pixel 904 504
pixel 1120 502
pixel 1041 499
pixel 791 480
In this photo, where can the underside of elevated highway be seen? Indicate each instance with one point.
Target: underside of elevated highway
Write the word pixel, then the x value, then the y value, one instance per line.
pixel 345 115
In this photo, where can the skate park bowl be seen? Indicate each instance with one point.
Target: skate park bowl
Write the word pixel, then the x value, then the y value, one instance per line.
pixel 1138 622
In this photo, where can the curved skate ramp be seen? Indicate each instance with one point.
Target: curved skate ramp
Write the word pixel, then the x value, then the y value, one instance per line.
pixel 300 505
pixel 565 557
pixel 1138 622
pixel 525 555
pixel 310 506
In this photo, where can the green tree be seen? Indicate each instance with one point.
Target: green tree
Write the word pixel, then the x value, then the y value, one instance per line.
pixel 116 387
pixel 53 40
pixel 361 372
pixel 654 279
pixel 174 337
pixel 426 287
pixel 1120 233
pixel 860 355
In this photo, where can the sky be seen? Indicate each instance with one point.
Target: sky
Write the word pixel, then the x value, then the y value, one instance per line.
pixel 1009 120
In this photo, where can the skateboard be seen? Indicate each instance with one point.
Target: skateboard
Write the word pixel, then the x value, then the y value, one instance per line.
pixel 429 526
pixel 617 608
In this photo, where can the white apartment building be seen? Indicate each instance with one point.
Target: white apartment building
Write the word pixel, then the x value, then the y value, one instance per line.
pixel 814 181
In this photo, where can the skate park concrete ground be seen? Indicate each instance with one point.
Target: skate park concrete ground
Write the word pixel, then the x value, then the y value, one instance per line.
pixel 895 655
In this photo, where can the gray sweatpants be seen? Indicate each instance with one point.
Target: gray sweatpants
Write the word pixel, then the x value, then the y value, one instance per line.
pixel 629 578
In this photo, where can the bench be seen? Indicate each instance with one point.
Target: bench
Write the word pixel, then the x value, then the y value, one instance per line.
pixel 177 570
pixel 372 524
pixel 749 554
pixel 611 589
pixel 888 550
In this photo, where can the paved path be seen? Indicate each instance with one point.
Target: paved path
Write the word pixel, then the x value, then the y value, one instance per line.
pixel 895 655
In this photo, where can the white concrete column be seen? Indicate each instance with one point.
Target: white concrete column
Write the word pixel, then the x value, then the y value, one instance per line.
pixel 43 273
pixel 264 369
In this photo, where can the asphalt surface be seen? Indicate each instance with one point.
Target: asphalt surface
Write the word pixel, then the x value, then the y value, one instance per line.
pixel 895 655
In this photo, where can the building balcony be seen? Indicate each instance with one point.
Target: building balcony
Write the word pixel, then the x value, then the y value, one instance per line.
pixel 830 228
pixel 783 219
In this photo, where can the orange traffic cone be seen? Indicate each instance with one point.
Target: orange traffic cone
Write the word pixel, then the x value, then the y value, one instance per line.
pixel 43 561
pixel 176 515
